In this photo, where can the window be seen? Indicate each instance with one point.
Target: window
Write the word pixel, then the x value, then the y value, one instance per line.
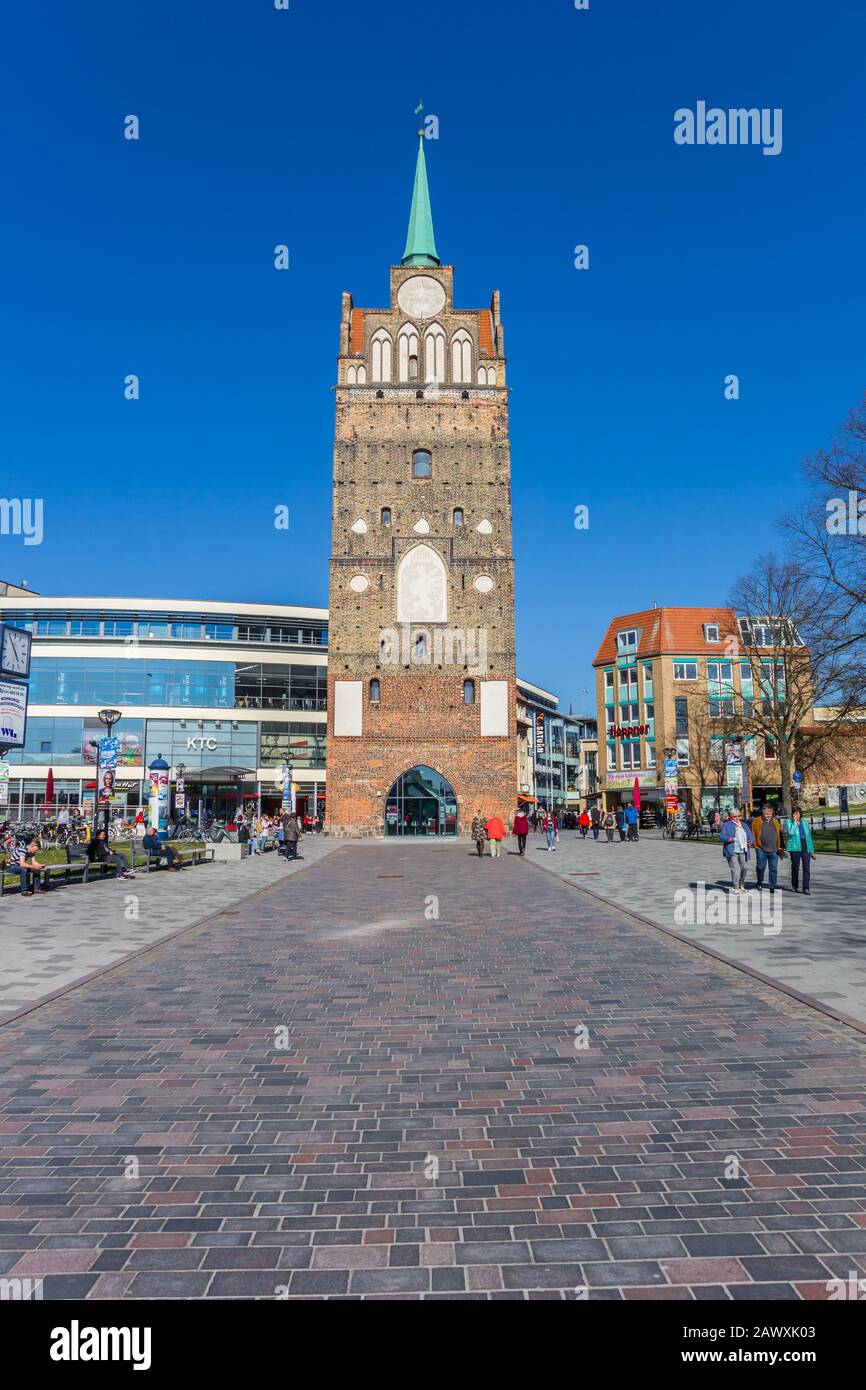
pixel 381 348
pixel 608 688
pixel 648 682
pixel 631 757
pixel 681 714
pixel 422 464
pixel 458 516
pixel 421 646
pixel 434 360
pixel 682 752
pixel 627 641
pixel 711 632
pixel 650 720
pixel 407 353
pixel 685 670
pixel 770 750
pixel 84 627
pixel 650 755
pixel 461 356
pixel 469 692
pixel 720 688
pixel 386 516
pixel 51 627
pixel 375 692
pixel 611 756
pixel 629 714
pixel 117 629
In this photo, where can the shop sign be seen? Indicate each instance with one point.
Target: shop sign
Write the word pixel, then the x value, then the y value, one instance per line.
pixel 629 730
pixel 539 733
pixel 671 804
pixel 4 784
pixel 671 769
pixel 626 779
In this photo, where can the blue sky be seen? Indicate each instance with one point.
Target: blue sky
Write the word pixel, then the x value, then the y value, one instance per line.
pixel 261 127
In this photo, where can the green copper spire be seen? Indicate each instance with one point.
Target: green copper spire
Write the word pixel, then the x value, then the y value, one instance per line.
pixel 420 241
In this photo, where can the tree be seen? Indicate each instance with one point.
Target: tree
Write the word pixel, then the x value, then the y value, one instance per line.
pixel 830 536
pixel 798 658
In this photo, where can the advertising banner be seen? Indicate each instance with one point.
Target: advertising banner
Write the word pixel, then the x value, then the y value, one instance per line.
pixel 4 784
pixel 626 779
pixel 13 713
pixel 539 733
pixel 179 795
pixel 108 753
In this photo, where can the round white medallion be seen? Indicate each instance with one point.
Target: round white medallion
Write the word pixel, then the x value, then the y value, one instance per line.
pixel 421 297
pixel 483 583
pixel 359 583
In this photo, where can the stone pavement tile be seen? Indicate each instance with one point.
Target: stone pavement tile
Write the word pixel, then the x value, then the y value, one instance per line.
pixel 299 1171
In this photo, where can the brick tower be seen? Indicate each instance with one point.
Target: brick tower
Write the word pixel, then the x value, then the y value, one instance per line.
pixel 421 666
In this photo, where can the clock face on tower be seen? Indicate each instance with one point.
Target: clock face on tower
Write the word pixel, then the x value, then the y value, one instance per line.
pixel 421 297
pixel 15 652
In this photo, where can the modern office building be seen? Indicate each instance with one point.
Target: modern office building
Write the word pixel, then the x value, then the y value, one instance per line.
pixel 557 754
pixel 231 693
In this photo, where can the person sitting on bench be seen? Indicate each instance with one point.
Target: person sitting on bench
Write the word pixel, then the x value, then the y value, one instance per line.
pixel 23 858
pixel 98 852
pixel 155 848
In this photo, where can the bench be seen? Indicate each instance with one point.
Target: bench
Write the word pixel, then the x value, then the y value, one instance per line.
pixel 196 854
pixel 77 862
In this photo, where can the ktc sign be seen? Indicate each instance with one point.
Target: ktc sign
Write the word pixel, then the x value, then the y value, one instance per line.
pixel 199 743
pixel 629 730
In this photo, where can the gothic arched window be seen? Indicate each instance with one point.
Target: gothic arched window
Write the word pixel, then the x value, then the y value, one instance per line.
pixel 434 347
pixel 407 348
pixel 381 349
pixel 461 356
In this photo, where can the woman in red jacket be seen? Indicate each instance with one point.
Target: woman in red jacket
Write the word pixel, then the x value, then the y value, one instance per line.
pixel 495 834
pixel 520 828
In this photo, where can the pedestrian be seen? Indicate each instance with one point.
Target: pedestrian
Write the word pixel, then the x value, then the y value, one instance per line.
pixel 799 845
pixel 631 819
pixel 548 825
pixel 157 849
pixel 609 824
pixel 291 834
pixel 767 832
pixel 264 833
pixel 24 858
pixel 736 839
pixel 583 822
pixel 620 821
pixel 495 834
pixel 520 828
pixel 478 832
pixel 595 817
pixel 99 852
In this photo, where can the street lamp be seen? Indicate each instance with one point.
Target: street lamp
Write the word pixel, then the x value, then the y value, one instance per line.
pixel 108 717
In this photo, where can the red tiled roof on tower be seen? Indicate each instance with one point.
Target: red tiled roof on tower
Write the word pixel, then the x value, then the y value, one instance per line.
pixel 485 332
pixel 356 331
pixel 672 631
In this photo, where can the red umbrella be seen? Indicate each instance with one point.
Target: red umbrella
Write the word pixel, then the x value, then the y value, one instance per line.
pixel 49 790
pixel 636 794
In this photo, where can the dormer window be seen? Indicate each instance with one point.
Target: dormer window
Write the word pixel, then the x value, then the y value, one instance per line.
pixel 422 464
pixel 627 641
pixel 712 632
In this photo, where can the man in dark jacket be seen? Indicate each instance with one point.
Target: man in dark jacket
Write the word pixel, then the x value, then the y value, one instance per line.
pixel 620 822
pixel 291 832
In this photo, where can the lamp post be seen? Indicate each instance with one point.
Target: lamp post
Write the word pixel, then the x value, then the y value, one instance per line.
pixel 108 717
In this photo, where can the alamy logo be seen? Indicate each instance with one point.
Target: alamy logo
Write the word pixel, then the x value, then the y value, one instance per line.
pixel 713 907
pixel 408 645
pixel 737 126
pixel 19 1290
pixel 22 516
pixel 846 517
pixel 77 1343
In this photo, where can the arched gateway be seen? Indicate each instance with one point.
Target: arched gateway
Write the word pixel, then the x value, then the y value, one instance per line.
pixel 421 802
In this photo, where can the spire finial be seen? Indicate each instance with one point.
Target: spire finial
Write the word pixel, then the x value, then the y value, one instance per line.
pixel 420 241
